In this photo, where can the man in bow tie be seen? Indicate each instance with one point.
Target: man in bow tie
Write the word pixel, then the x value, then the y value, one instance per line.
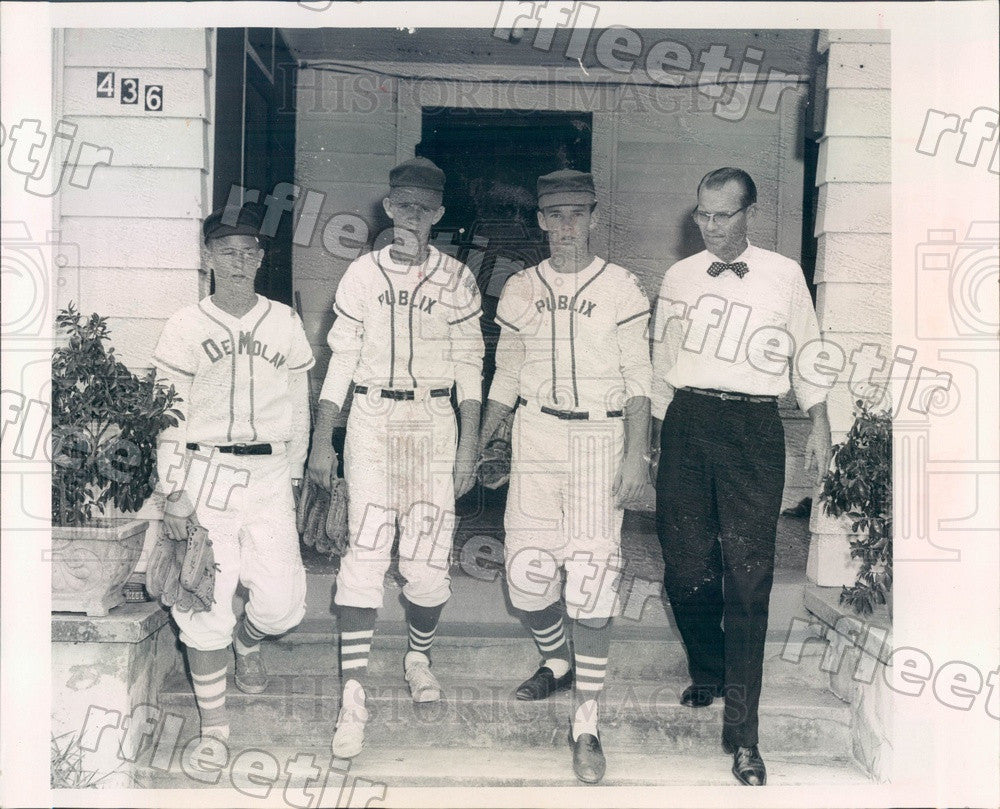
pixel 730 322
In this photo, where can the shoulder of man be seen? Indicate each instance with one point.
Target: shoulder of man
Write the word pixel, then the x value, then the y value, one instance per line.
pixel 693 261
pixel 188 316
pixel 519 282
pixel 762 253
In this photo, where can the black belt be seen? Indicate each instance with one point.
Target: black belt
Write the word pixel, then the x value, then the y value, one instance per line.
pixel 731 396
pixel 237 449
pixel 571 414
pixel 402 395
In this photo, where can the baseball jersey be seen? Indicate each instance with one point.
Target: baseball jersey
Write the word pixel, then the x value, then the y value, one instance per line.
pixel 403 326
pixel 573 341
pixel 238 369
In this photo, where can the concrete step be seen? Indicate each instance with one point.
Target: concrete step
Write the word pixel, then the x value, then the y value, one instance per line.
pixel 302 709
pixel 637 653
pixel 475 601
pixel 385 773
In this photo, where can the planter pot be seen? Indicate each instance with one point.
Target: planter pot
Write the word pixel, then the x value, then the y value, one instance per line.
pixel 91 563
pixel 829 563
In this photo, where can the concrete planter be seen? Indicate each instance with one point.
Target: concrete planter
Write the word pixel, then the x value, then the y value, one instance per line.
pixel 91 563
pixel 829 563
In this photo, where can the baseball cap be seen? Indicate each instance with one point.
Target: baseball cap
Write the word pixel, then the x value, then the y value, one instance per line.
pixel 566 187
pixel 230 222
pixel 417 172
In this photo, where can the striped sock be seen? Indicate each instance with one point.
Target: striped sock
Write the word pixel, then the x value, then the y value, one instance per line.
pixel 248 637
pixel 422 624
pixel 357 626
pixel 591 643
pixel 208 675
pixel 547 629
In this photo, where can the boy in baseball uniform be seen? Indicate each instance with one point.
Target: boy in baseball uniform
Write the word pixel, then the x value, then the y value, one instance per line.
pixel 406 332
pixel 573 356
pixel 239 362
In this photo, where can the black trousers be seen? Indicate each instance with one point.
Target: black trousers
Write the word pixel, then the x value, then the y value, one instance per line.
pixel 718 496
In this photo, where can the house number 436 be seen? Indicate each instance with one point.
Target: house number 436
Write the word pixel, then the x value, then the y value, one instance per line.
pixel 130 90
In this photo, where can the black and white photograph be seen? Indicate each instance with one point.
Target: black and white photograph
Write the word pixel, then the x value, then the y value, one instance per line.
pixel 500 404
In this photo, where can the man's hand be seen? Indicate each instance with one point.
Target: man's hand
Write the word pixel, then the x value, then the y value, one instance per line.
pixel 630 480
pixel 465 467
pixel 178 512
pixel 322 463
pixel 818 445
pixel 653 465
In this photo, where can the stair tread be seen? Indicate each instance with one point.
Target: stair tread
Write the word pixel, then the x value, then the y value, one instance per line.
pixel 543 766
pixel 662 693
pixel 324 630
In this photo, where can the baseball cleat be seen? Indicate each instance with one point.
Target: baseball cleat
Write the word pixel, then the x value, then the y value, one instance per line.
pixel 212 748
pixel 250 675
pixel 588 758
pixel 543 683
pixel 349 737
pixel 424 686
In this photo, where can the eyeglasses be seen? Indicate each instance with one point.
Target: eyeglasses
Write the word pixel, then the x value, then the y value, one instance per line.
pixel 703 218
pixel 238 253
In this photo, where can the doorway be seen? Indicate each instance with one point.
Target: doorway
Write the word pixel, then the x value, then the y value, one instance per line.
pixel 492 159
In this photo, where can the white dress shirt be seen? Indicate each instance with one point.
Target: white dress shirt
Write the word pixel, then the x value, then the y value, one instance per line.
pixel 734 334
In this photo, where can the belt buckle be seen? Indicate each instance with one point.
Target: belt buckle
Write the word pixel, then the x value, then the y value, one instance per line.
pixel 726 397
pixel 240 449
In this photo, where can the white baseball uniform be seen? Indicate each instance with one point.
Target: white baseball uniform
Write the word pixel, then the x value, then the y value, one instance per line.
pixel 573 349
pixel 405 334
pixel 243 382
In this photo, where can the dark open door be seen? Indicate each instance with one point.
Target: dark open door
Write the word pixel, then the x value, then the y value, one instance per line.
pixel 255 136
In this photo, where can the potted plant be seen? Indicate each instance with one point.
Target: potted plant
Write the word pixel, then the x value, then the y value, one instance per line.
pixel 105 421
pixel 859 488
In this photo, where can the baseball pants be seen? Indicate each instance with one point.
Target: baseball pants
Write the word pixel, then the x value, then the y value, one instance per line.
pixel 718 495
pixel 245 502
pixel 561 517
pixel 399 458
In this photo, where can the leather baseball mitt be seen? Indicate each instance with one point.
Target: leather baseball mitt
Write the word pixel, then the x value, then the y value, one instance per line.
pixel 182 574
pixel 307 494
pixel 493 467
pixel 336 517
pixel 325 523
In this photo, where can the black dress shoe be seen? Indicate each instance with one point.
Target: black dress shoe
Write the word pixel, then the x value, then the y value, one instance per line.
pixel 588 758
pixel 543 683
pixel 748 766
pixel 700 696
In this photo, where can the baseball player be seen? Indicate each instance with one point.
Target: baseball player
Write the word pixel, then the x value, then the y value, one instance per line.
pixel 573 356
pixel 239 362
pixel 406 331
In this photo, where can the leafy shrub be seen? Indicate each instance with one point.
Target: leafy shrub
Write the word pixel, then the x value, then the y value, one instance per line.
pixel 860 487
pixel 105 421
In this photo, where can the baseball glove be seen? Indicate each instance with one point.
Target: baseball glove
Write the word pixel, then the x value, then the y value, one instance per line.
pixel 307 493
pixel 325 522
pixel 182 574
pixel 493 467
pixel 336 517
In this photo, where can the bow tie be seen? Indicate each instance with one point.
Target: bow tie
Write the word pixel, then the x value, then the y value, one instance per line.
pixel 718 267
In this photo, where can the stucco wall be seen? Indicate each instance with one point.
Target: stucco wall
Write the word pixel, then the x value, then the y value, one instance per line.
pixel 137 224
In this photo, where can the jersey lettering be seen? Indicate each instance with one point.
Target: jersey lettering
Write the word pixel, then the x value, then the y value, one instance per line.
pixel 583 306
pixel 404 298
pixel 245 345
